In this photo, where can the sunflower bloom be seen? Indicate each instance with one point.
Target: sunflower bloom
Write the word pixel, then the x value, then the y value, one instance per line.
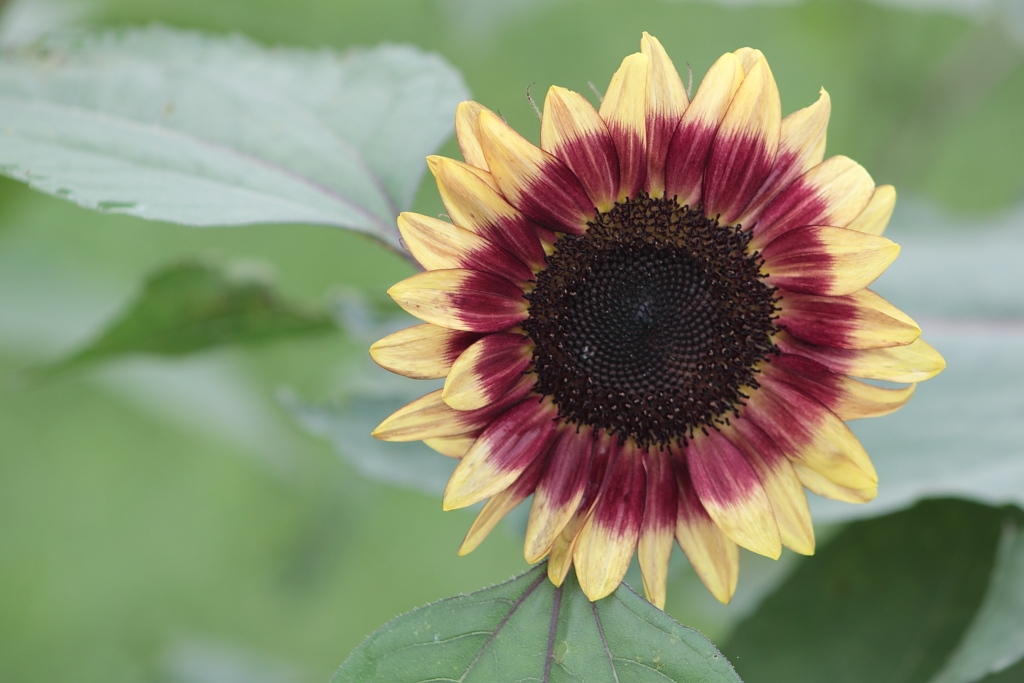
pixel 652 323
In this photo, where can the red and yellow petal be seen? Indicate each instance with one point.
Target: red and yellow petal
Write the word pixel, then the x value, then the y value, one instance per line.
pixel 801 148
pixel 560 556
pixel 474 205
pixel 535 182
pixel 421 351
pixel 809 433
pixel 732 494
pixel 714 557
pixel 745 145
pixel 429 417
pixel 862 320
pixel 825 260
pixel 658 529
pixel 574 132
pixel 832 193
pixel 487 370
pixel 462 299
pixel 608 539
pixel 666 102
pixel 559 492
pixel 624 110
pixel 874 218
pixel 848 398
pixel 501 504
pixel 782 485
pixel 688 150
pixel 438 245
pixel 501 453
pixel 913 362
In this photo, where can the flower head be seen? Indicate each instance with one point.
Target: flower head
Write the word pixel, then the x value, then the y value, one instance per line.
pixel 652 323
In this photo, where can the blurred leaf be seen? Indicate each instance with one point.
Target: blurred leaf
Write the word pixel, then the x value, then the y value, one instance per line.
pixel 963 432
pixel 885 601
pixel 527 629
pixel 193 306
pixel 995 639
pixel 178 126
pixel 347 423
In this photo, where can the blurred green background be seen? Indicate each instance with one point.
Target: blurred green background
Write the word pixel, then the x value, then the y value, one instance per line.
pixel 165 520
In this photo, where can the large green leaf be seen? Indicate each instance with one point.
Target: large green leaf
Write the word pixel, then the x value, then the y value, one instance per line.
pixel 193 306
pixel 886 601
pixel 995 639
pixel 527 629
pixel 203 130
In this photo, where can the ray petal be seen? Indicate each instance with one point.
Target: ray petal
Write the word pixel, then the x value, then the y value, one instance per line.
pixel 714 557
pixel 826 261
pixel 691 142
pixel 666 102
pixel 462 299
pixel 560 556
pixel 422 351
pixel 913 362
pixel 574 132
pixel 438 245
pixel 624 110
pixel 848 398
pixel 559 492
pixel 862 320
pixel 782 485
pixel 745 146
pixel 801 148
pixel 507 446
pixel 874 218
pixel 535 182
pixel 467 132
pixel 809 433
pixel 474 205
pixel 732 493
pixel 832 193
pixel 657 531
pixel 608 539
pixel 501 504
pixel 487 370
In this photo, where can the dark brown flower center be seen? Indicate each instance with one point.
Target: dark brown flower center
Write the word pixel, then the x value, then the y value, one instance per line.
pixel 651 323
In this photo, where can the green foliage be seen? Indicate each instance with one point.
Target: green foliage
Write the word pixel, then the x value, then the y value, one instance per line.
pixel 178 126
pixel 194 306
pixel 887 600
pixel 527 629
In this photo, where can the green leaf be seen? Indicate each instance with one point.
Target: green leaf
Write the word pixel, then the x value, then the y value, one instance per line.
pixel 201 130
pixel 527 629
pixel 885 601
pixel 995 639
pixel 193 306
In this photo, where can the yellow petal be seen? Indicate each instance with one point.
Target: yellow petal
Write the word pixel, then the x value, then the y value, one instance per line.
pixel 654 549
pixel 666 102
pixel 624 110
pixel 467 132
pixel 421 351
pixel 823 486
pixel 452 446
pixel 714 557
pixel 424 418
pixel 875 216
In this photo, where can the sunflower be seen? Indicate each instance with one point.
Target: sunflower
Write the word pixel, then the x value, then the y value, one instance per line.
pixel 652 322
